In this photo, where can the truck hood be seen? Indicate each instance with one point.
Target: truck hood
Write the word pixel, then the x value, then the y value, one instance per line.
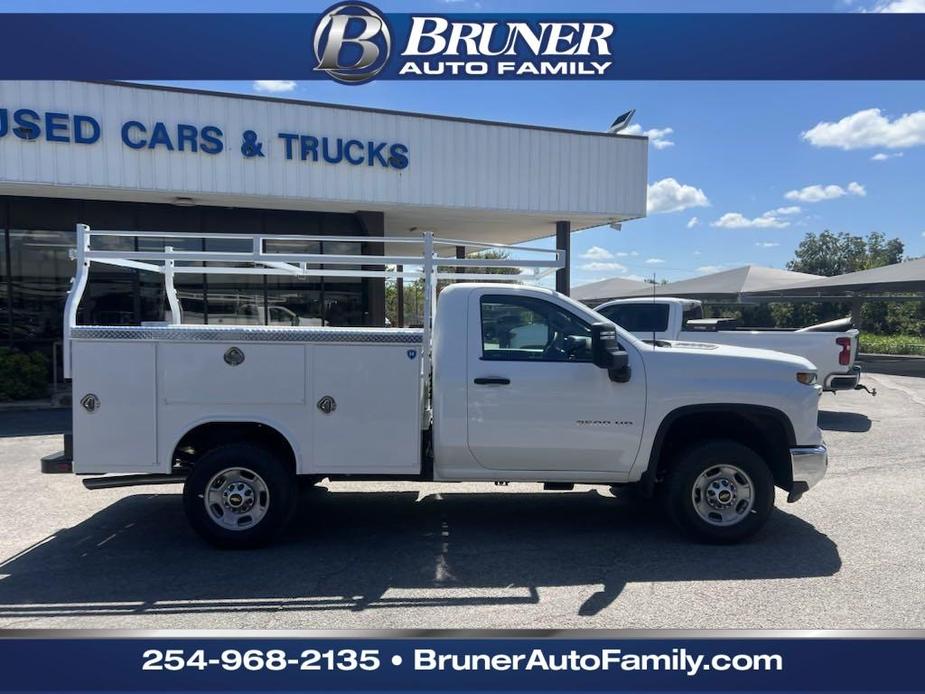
pixel 791 361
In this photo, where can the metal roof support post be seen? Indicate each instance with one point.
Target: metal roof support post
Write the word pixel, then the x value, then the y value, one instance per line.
pixel 857 307
pixel 400 297
pixel 563 243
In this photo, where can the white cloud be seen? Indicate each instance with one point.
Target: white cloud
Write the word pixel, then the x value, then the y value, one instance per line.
pixel 658 137
pixel 766 244
pixel 737 220
pixel 667 195
pixel 817 193
pixel 274 86
pixel 900 6
pixel 597 253
pixel 793 209
pixel 603 267
pixel 636 278
pixel 654 261
pixel 883 156
pixel 709 269
pixel 692 222
pixel 698 252
pixel 869 128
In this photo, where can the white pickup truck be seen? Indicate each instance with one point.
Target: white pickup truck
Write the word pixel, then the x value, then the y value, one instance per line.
pixel 504 383
pixel 829 347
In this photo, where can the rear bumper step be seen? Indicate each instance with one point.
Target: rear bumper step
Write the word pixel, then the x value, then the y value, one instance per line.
pixel 59 463
pixel 62 462
pixel 847 381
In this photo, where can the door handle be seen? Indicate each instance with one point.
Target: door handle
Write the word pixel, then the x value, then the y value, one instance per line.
pixel 492 381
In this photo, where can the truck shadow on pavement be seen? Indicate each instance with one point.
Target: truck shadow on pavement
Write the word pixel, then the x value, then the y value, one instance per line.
pixel 361 551
pixel 831 420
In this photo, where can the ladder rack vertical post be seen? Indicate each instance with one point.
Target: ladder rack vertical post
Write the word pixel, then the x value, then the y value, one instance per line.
pixel 81 270
pixel 176 311
pixel 429 301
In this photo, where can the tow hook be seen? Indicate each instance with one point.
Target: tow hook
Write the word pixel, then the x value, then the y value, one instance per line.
pixel 861 386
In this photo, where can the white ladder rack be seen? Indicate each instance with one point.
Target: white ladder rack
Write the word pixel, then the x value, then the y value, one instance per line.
pixel 262 260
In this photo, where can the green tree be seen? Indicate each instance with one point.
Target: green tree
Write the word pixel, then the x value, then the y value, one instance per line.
pixel 23 376
pixel 831 254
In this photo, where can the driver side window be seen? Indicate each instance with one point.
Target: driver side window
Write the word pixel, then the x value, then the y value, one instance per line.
pixel 527 329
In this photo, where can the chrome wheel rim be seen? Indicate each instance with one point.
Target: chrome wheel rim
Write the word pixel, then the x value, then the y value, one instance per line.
pixel 723 495
pixel 237 498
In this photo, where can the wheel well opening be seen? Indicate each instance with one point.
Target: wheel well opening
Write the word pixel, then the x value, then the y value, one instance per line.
pixel 764 432
pixel 207 436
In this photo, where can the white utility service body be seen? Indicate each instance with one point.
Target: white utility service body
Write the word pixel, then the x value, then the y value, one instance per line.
pixel 505 382
pixel 832 353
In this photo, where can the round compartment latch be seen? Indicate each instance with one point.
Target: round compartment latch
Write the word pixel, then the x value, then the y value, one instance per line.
pixel 327 404
pixel 233 356
pixel 90 402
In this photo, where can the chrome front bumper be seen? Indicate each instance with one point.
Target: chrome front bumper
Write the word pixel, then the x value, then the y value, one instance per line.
pixel 808 466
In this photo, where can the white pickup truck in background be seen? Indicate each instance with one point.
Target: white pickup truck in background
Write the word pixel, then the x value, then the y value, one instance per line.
pixel 503 383
pixel 829 347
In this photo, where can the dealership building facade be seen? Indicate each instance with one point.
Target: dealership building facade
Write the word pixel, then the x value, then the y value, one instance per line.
pixel 145 158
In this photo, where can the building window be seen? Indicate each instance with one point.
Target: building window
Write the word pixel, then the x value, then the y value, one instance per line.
pixel 40 275
pixel 36 270
pixel 5 327
pixel 293 300
pixel 344 297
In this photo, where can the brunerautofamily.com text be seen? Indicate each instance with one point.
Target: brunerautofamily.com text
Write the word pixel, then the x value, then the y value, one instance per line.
pixel 431 660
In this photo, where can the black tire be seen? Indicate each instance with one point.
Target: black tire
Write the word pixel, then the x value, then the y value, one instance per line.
pixel 274 484
pixel 704 457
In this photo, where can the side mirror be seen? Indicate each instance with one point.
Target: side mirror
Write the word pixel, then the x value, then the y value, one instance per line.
pixel 606 352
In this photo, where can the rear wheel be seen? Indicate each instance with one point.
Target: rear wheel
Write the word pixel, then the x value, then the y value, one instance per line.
pixel 239 495
pixel 720 492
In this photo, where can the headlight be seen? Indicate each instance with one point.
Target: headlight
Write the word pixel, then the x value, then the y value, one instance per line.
pixel 807 378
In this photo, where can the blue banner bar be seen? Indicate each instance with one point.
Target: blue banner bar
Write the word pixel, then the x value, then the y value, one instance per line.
pixel 850 46
pixel 456 665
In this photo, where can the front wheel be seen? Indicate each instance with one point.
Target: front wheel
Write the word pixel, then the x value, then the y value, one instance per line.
pixel 720 492
pixel 239 496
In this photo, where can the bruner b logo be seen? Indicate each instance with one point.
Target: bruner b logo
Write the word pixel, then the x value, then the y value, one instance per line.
pixel 352 42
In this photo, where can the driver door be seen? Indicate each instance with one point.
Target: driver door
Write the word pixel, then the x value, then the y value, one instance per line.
pixel 535 400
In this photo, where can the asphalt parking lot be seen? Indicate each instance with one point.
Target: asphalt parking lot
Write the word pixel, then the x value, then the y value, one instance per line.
pixel 851 554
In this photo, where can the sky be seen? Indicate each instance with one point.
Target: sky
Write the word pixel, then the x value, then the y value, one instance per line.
pixel 739 172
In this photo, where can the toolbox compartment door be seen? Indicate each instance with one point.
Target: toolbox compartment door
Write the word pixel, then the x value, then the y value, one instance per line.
pixel 372 422
pixel 115 406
